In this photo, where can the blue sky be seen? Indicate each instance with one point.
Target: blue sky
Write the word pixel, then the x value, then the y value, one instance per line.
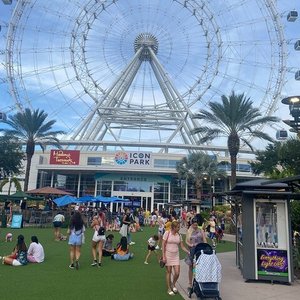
pixel 225 46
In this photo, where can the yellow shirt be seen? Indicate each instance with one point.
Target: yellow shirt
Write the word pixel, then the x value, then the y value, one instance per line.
pixel 168 225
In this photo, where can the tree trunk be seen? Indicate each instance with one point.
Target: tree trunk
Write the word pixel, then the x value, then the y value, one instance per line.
pixel 233 170
pixel 233 144
pixel 198 185
pixel 27 172
pixel 9 186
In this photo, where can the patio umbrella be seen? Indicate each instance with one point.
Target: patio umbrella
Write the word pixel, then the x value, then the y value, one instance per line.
pixel 118 199
pixel 103 199
pixel 47 190
pixel 85 198
pixel 65 200
pixel 110 199
pixel 19 195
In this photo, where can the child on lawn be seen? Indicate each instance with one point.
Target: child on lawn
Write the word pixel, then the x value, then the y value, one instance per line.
pixel 152 243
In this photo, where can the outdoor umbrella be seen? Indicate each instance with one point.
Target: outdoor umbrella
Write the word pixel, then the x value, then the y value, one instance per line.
pixel 86 198
pixel 65 200
pixel 118 199
pixel 109 199
pixel 47 190
pixel 19 195
pixel 103 199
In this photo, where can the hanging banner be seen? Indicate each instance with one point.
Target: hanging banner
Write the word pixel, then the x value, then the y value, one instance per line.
pixel 272 262
pixel 64 157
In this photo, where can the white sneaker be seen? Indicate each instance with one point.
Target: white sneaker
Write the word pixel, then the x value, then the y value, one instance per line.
pixel 146 263
pixel 157 247
pixel 132 243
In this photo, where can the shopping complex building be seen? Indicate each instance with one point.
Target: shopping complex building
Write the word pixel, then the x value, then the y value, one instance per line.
pixel 148 179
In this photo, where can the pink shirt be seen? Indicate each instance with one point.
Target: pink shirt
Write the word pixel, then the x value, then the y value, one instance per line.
pixel 172 242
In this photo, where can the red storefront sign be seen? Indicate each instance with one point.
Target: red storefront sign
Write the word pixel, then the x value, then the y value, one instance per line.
pixel 64 157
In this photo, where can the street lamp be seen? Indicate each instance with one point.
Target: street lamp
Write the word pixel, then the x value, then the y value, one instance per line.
pixel 294 106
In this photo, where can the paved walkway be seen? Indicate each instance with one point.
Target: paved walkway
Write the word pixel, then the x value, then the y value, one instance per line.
pixel 233 286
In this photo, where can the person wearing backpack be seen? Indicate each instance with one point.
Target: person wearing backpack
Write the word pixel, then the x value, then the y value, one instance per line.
pixel 76 232
pixel 98 240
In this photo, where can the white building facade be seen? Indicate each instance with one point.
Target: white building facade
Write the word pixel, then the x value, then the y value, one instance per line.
pixel 149 180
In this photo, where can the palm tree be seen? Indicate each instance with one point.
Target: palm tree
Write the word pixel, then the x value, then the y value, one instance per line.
pixel 197 167
pixel 236 119
pixel 9 181
pixel 31 128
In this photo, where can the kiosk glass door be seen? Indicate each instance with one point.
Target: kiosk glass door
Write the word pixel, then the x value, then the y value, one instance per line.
pixel 272 248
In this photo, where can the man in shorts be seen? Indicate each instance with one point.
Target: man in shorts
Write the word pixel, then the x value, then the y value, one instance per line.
pixel 58 220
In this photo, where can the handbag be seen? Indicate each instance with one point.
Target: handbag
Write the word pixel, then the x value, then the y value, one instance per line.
pixel 162 263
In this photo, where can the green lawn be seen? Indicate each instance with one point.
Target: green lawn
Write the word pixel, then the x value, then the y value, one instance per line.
pixel 54 280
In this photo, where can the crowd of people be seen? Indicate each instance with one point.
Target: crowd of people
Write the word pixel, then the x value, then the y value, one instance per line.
pixel 164 245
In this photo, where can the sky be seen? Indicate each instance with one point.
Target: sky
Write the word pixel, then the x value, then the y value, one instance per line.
pixel 65 55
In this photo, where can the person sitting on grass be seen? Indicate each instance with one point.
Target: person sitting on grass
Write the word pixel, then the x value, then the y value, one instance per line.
pixel 152 243
pixel 19 255
pixel 35 252
pixel 122 250
pixel 108 248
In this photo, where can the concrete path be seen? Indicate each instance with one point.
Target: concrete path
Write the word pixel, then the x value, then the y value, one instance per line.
pixel 233 286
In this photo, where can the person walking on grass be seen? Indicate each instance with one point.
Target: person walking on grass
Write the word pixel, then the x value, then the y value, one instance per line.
pixel 76 235
pixel 58 221
pixel 170 249
pixel 152 243
pixel 194 236
pixel 99 238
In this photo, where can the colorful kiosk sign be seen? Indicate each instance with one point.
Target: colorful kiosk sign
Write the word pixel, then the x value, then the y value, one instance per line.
pixel 272 262
pixel 64 157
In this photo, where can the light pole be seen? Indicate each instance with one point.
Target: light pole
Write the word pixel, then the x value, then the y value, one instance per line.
pixel 294 106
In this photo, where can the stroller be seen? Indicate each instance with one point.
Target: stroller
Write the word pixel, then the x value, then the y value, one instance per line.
pixel 207 273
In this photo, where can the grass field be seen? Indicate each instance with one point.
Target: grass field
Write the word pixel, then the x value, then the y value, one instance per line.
pixel 54 280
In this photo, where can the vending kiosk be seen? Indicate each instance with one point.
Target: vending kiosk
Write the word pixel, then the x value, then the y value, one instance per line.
pixel 264 239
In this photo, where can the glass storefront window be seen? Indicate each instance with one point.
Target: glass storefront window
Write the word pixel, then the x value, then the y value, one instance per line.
pixel 94 161
pixel 104 188
pixel 161 191
pixel 87 184
pixel 68 182
pixel 266 225
pixel 132 186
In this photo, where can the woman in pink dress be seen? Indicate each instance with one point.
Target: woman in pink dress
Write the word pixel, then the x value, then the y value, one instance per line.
pixel 170 249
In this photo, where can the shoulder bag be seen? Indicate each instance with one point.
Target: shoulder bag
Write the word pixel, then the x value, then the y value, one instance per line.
pixel 162 263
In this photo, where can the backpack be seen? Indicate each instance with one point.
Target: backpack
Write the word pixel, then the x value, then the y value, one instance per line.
pixel 101 230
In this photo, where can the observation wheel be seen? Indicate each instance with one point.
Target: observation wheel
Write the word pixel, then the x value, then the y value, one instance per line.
pixel 136 71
